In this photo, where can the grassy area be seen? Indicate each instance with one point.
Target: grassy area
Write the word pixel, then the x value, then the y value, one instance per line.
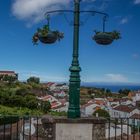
pixel 4 110
pixel 55 113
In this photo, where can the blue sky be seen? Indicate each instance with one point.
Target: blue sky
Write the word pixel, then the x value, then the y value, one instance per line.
pixel 118 62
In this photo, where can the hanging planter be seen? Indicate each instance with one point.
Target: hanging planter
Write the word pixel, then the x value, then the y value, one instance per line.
pixel 46 36
pixel 106 38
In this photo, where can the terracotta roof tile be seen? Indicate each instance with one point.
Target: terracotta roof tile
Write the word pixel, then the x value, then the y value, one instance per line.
pixel 124 108
pixel 135 116
pixel 9 72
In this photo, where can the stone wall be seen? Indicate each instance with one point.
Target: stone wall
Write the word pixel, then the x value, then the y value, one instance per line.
pixel 74 129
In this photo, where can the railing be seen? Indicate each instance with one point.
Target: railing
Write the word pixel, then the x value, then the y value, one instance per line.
pixel 122 129
pixel 21 128
pixel 31 128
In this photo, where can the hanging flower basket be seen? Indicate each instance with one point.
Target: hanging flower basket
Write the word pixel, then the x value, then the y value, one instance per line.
pixel 106 38
pixel 46 36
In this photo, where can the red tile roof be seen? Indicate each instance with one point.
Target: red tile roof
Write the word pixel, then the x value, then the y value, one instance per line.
pixel 120 100
pixel 99 102
pixel 124 108
pixel 50 84
pixel 8 72
pixel 86 105
pixel 135 116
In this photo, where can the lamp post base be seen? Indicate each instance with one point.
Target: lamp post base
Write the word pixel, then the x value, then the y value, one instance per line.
pixel 74 112
pixel 62 128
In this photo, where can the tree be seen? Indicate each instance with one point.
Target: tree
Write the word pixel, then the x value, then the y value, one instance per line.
pixel 108 90
pixel 101 113
pixel 16 101
pixel 33 80
pixel 8 78
pixel 124 91
pixel 32 104
pixel 45 106
pixel 31 101
pixel 21 91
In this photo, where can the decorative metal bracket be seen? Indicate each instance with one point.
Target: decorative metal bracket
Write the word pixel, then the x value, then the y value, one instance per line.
pixel 105 15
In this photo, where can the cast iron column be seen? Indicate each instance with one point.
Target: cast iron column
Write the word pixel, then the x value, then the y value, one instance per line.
pixel 74 82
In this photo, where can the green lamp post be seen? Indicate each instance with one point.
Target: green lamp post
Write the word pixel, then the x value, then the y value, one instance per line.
pixel 103 38
pixel 74 82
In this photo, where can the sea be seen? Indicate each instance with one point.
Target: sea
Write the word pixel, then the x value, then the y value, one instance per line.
pixel 113 87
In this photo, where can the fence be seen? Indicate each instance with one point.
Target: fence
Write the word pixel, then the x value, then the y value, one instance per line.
pixel 21 128
pixel 31 128
pixel 122 129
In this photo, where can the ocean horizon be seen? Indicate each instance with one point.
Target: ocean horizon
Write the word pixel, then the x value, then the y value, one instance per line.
pixel 113 87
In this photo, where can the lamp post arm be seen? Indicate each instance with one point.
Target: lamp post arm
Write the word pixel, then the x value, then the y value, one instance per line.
pixel 97 12
pixel 71 11
pixel 58 11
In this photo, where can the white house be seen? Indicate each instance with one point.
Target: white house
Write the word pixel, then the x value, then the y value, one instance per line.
pixel 136 96
pixel 49 98
pixel 113 103
pixel 59 87
pixel 53 101
pixel 59 94
pixel 62 108
pixel 64 87
pixel 52 86
pixel 89 108
pixel 128 102
pixel 135 120
pixel 123 111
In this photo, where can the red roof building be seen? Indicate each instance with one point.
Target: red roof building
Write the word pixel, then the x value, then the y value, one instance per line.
pixel 9 73
pixel 124 108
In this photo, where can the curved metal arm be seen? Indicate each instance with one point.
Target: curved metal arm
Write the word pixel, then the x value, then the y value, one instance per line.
pixel 58 11
pixel 91 11
pixel 71 11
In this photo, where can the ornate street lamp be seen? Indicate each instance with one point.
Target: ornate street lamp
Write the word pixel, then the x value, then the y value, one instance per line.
pixel 103 38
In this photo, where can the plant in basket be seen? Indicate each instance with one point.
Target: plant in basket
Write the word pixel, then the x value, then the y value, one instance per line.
pixel 106 38
pixel 46 36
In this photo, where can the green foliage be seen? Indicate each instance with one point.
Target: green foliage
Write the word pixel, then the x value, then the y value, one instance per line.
pixel 124 92
pixel 8 119
pixel 33 80
pixel 87 93
pixel 114 34
pixel 45 106
pixel 31 102
pixel 82 102
pixel 101 113
pixel 19 111
pixel 55 113
pixel 8 78
pixel 108 91
pixel 22 95
pixel 21 91
pixel 43 32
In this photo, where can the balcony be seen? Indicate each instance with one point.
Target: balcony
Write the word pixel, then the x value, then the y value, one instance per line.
pixel 31 128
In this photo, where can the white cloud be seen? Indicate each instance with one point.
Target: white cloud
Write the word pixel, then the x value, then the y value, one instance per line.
pixel 33 10
pixel 24 75
pixel 124 20
pixel 116 78
pixel 136 1
pixel 135 55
